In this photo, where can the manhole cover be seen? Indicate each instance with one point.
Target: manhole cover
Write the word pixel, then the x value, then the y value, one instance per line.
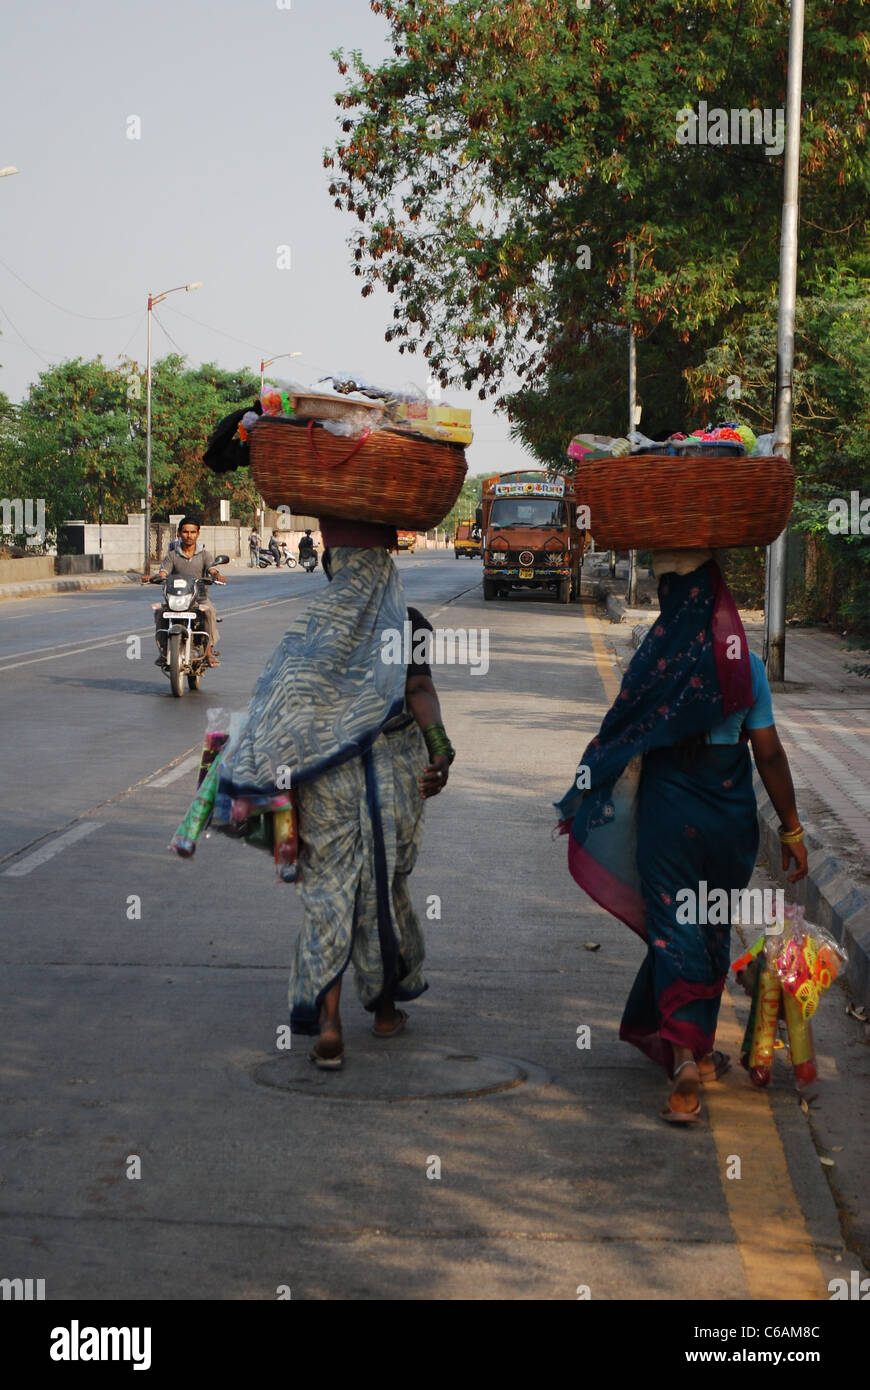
pixel 394 1073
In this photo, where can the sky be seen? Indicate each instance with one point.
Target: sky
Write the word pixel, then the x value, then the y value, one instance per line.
pixel 235 105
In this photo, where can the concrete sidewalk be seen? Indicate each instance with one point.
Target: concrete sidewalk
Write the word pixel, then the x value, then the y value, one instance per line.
pixel 66 584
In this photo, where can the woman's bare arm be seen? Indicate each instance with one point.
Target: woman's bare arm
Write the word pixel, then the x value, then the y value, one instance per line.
pixel 775 773
pixel 422 700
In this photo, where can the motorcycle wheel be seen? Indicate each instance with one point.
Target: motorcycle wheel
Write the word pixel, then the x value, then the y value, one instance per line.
pixel 291 563
pixel 176 673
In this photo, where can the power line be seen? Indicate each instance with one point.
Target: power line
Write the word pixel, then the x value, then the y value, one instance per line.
pixel 169 336
pixel 94 318
pixel 42 359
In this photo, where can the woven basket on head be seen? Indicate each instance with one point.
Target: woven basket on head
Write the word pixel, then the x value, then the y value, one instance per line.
pixel 662 502
pixel 386 476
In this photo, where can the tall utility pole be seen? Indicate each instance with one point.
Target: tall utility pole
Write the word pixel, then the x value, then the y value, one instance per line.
pixel 152 300
pixel 774 616
pixel 631 596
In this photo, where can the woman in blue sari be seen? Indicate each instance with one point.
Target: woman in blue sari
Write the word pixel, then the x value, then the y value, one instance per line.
pixel 662 817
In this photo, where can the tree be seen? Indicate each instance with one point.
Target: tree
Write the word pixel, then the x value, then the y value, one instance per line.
pixel 501 162
pixel 71 444
pixel 78 440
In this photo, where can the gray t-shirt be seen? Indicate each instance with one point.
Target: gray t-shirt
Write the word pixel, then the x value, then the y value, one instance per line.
pixel 196 567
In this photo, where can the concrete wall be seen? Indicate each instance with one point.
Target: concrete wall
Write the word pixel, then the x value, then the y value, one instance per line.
pixel 123 546
pixel 16 571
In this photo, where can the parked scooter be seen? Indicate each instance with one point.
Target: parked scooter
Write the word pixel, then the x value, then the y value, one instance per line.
pixel 268 557
pixel 183 639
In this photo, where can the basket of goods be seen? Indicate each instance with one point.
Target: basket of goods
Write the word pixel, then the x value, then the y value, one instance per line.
pixel 393 460
pixel 701 491
pixel 394 477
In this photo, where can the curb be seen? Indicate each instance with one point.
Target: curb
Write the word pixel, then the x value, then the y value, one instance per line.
pixel 65 584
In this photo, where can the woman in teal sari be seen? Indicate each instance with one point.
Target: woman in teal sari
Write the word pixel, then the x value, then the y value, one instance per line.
pixel 663 816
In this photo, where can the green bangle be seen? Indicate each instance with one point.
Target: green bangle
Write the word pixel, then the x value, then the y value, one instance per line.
pixel 437 742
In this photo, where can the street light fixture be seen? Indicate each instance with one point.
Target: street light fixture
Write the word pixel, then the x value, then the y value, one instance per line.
pixel 267 362
pixel 152 300
pixel 7 170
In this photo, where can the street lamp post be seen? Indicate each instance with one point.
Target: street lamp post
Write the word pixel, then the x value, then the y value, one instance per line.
pixel 152 300
pixel 267 362
pixel 774 612
pixel 264 363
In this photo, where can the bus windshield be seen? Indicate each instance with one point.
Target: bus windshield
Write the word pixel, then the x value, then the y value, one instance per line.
pixel 548 512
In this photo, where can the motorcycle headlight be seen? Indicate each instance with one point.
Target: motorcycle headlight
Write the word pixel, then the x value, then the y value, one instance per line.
pixel 178 603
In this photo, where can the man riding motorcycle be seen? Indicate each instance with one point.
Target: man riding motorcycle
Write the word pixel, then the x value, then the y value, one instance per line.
pixel 191 559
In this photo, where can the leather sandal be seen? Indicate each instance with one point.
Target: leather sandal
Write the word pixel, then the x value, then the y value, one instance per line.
pixel 682 1117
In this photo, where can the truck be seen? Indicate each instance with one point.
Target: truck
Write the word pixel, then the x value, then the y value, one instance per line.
pixel 531 539
pixel 407 540
pixel 466 539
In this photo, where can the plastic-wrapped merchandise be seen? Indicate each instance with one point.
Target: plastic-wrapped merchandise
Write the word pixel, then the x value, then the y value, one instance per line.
pixel 216 734
pixel 762 1029
pixel 805 957
pixel 355 423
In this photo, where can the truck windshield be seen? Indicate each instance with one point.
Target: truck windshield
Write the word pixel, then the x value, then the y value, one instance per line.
pixel 546 512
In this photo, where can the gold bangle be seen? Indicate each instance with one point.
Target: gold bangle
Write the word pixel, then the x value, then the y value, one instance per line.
pixel 791 837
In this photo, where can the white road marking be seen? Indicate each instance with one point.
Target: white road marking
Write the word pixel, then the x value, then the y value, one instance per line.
pixel 41 856
pixel 180 771
pixel 9 665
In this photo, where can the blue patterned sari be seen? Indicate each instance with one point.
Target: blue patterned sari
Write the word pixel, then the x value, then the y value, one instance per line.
pixel 329 710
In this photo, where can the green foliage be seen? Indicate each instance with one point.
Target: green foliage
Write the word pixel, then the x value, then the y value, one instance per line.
pixel 831 426
pixel 506 134
pixel 78 440
pixel 466 503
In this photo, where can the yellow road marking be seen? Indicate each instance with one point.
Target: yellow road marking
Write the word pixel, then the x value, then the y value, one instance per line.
pixel 774 1245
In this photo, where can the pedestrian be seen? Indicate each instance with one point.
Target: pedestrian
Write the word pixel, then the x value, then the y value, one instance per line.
pixel 254 549
pixel 363 741
pixel 663 814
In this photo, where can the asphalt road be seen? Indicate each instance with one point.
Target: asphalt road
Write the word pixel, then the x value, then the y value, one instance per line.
pixel 161 1143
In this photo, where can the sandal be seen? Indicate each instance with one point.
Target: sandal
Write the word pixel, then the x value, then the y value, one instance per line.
pixel 682 1117
pixel 213 660
pixel 396 1028
pixel 327 1061
pixel 721 1064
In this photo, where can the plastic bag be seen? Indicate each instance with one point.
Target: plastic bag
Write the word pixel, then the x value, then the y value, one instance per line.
pixel 805 958
pixel 351 426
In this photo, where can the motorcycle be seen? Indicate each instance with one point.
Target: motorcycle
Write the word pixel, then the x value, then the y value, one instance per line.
pixel 183 642
pixel 268 557
pixel 308 560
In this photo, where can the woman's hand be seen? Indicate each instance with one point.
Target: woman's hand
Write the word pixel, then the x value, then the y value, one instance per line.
pixel 797 852
pixel 434 777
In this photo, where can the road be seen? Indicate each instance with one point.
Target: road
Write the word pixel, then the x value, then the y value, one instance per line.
pixel 161 1144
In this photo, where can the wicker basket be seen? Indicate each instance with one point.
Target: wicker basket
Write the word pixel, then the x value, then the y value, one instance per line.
pixel 386 476
pixel 662 502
